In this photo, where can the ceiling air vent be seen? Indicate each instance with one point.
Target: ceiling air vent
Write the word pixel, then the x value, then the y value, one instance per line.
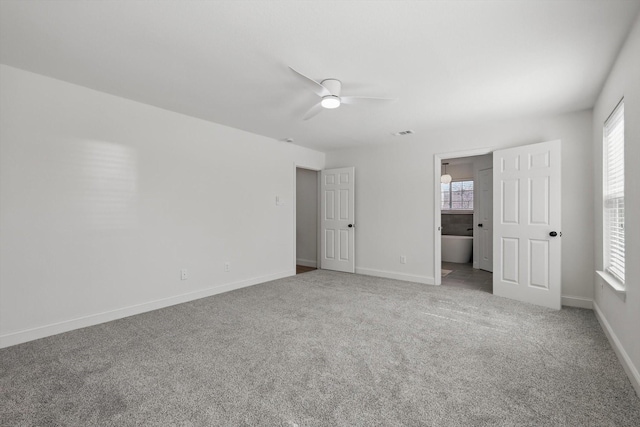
pixel 403 132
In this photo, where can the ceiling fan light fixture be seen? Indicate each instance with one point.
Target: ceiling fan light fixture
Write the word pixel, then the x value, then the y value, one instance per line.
pixel 330 101
pixel 330 92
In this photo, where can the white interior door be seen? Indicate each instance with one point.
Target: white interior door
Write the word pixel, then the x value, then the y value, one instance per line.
pixel 484 222
pixel 337 222
pixel 526 226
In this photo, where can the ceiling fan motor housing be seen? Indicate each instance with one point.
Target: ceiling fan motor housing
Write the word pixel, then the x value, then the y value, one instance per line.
pixel 333 86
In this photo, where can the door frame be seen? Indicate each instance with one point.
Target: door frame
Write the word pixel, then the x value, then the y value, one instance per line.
pixel 295 214
pixel 437 218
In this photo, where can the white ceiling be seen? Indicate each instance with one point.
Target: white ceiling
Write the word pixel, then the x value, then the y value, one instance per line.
pixel 449 63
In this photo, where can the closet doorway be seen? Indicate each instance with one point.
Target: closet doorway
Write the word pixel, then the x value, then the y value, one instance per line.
pixel 306 220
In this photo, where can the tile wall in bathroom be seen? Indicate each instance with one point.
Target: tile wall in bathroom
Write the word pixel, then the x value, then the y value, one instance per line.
pixel 457 224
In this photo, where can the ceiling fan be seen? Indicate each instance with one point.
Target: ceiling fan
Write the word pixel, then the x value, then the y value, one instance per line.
pixel 329 91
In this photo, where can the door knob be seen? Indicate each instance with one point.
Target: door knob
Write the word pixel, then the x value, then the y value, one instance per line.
pixel 553 234
pixel 479 225
pixel 350 225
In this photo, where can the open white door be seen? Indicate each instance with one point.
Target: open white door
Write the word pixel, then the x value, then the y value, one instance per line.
pixel 337 221
pixel 484 222
pixel 526 224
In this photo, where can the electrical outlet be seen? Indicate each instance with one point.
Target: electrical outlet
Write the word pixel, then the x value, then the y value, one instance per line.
pixel 227 266
pixel 403 259
pixel 183 274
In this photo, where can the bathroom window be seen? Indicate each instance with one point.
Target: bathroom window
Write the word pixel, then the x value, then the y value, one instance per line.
pixel 457 195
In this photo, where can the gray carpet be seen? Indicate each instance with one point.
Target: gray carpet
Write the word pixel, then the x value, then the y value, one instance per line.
pixel 325 349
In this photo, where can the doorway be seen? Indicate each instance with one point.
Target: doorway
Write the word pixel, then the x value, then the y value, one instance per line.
pixel 306 220
pixel 464 208
pixel 526 221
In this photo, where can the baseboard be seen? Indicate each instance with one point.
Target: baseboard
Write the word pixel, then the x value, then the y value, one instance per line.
pixel 625 360
pixel 306 262
pixel 394 275
pixel 107 316
pixel 579 302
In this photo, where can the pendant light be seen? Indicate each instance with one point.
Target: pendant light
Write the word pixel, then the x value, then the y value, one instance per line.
pixel 446 178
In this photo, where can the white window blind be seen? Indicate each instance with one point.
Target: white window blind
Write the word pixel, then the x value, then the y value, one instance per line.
pixel 614 193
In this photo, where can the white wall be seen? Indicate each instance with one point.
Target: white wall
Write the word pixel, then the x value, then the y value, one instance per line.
pixel 395 196
pixel 306 217
pixel 103 200
pixel 620 318
pixel 459 171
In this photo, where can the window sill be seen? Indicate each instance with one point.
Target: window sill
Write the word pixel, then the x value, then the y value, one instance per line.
pixel 614 284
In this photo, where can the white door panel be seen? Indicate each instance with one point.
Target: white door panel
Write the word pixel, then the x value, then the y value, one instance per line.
pixel 485 221
pixel 337 187
pixel 526 257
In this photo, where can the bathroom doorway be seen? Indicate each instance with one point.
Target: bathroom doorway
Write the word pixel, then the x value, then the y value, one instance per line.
pixel 464 209
pixel 527 249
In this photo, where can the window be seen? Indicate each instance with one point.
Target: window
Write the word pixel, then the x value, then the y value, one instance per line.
pixel 457 195
pixel 613 193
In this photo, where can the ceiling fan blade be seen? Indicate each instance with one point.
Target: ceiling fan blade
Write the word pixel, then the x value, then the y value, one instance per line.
pixel 313 111
pixel 316 87
pixel 364 100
